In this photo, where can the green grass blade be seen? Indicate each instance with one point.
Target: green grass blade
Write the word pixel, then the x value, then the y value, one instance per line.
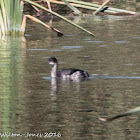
pixel 127 113
pixel 76 5
pixel 56 14
pixel 11 15
pixel 2 24
pixel 7 8
pixel 17 16
pixel 91 6
pixel 76 11
pixel 3 10
pixel 42 23
pixel 84 3
pixel 78 2
pixel 101 7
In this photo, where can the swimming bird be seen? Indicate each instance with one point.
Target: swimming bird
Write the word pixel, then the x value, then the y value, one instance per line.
pixel 69 73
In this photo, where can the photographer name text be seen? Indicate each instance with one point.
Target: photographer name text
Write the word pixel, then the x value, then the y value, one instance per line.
pixel 39 135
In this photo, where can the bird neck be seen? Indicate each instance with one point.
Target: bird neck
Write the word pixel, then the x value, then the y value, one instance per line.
pixel 54 70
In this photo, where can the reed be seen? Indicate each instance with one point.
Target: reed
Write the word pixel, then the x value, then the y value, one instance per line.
pixel 10 16
pixel 58 15
pixel 11 12
pixel 94 7
pixel 127 113
pixel 75 10
pixel 101 7
pixel 42 23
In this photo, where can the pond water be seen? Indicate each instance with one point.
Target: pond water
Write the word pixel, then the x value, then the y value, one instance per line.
pixel 34 106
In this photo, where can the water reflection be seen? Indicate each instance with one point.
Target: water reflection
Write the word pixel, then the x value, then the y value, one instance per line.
pixel 33 102
pixel 115 77
pixel 71 47
pixel 53 86
pixel 91 41
pixel 121 42
pixel 112 87
pixel 11 56
pixel 65 84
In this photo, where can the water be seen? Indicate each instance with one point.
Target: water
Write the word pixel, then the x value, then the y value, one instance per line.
pixel 35 106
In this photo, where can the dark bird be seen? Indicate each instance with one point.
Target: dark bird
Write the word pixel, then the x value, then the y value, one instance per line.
pixel 70 73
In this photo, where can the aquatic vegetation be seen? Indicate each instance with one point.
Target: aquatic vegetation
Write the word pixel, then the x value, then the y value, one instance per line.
pixel 58 15
pixel 94 7
pixel 101 7
pixel 74 9
pixel 12 21
pixel 10 16
pixel 127 113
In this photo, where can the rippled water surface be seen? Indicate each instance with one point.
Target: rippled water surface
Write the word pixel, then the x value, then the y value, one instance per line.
pixel 35 106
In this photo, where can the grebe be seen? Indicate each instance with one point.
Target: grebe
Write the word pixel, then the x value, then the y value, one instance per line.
pixel 70 73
